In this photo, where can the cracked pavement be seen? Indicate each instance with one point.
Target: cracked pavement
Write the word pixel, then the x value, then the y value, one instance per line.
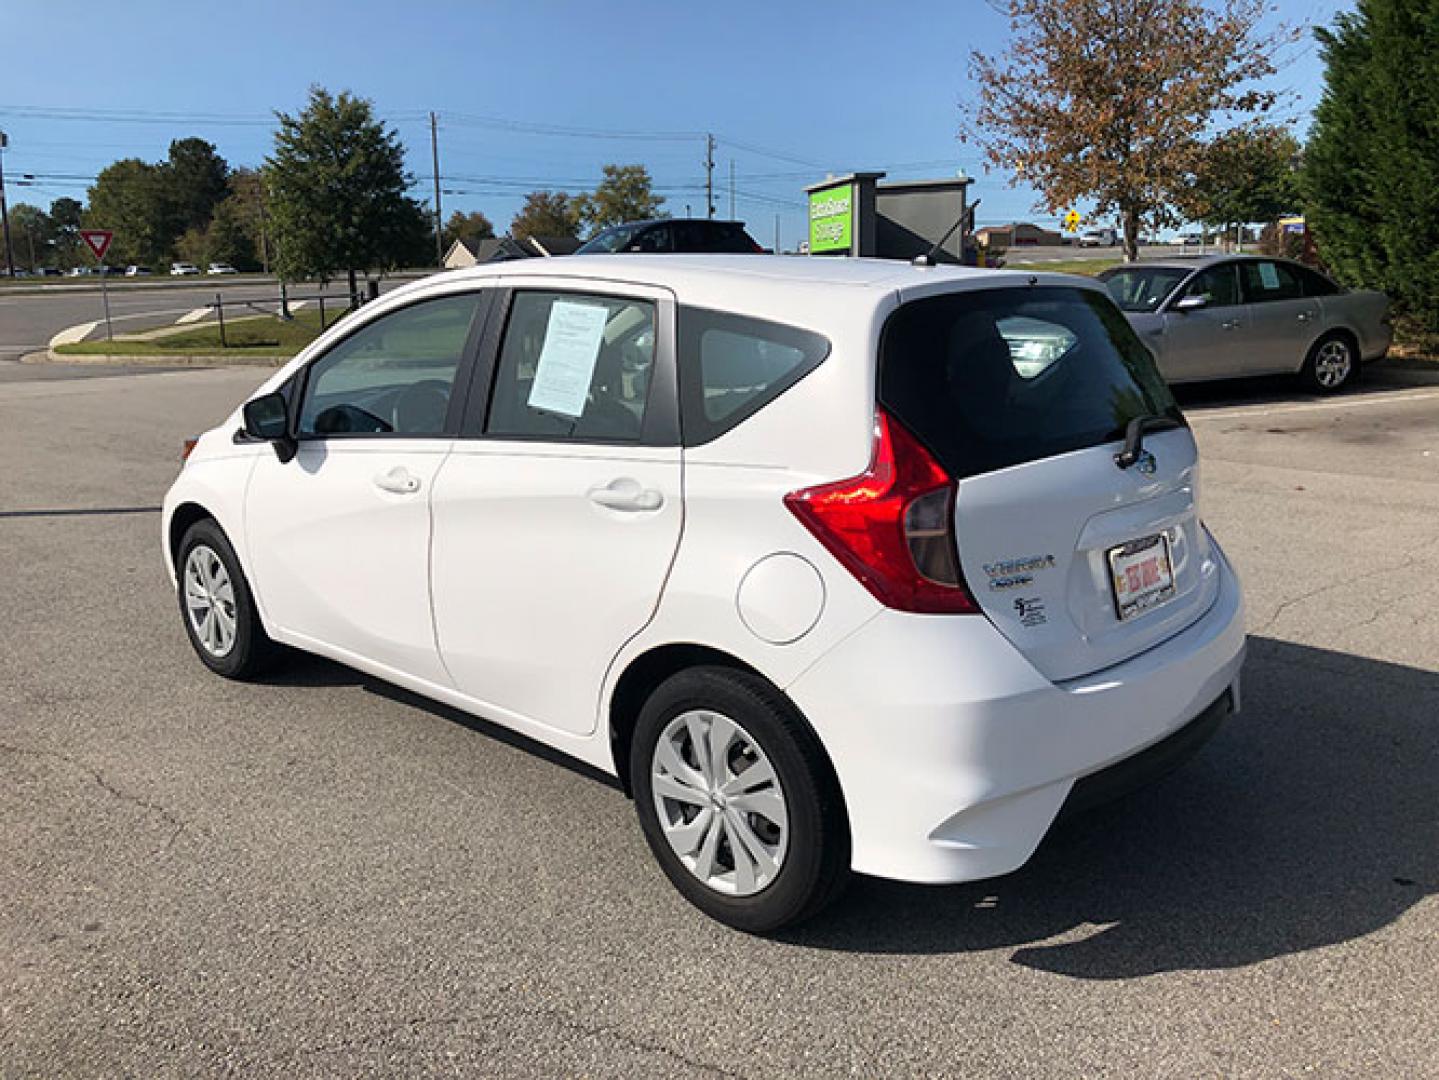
pixel 328 876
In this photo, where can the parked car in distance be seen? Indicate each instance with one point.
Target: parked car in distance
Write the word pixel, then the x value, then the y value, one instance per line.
pixel 1098 238
pixel 1228 316
pixel 219 268
pixel 183 269
pixel 695 236
pixel 79 271
pixel 137 271
pixel 835 564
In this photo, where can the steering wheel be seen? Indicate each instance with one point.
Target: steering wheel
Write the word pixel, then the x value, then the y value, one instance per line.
pixel 420 409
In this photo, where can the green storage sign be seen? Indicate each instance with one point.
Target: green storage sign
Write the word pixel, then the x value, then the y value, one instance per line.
pixel 831 219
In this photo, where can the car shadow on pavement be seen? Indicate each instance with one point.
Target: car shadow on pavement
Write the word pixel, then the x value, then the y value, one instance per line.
pixel 1382 376
pixel 1311 819
pixel 301 669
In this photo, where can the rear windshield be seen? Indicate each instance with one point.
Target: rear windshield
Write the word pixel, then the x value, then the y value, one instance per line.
pixel 999 377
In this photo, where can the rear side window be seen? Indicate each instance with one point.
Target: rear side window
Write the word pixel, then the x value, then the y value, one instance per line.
pixel 732 366
pixel 1265 282
pixel 999 377
pixel 1315 283
pixel 574 367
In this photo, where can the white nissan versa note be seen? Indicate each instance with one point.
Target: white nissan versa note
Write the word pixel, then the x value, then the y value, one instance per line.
pixel 836 564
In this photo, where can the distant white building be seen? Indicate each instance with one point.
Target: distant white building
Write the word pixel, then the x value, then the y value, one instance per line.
pixel 503 248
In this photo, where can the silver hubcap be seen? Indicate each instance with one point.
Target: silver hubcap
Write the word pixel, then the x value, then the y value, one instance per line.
pixel 720 802
pixel 210 601
pixel 1332 365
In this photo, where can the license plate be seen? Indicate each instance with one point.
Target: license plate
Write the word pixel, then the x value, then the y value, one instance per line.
pixel 1141 575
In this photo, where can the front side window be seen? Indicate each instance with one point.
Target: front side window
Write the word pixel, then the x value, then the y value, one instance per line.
pixel 1142 289
pixel 1219 286
pixel 732 366
pixel 393 376
pixel 1265 282
pixel 575 367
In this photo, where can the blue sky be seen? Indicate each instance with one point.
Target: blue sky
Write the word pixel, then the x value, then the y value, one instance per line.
pixel 791 91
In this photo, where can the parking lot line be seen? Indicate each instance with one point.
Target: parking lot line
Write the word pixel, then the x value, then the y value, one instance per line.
pixel 1383 397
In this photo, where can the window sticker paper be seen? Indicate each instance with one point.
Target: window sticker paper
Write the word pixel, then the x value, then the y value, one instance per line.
pixel 567 362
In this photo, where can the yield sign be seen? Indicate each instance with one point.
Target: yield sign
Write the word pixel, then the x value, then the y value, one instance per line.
pixel 97 240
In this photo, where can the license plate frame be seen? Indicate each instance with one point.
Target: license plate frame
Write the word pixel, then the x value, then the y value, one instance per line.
pixel 1136 583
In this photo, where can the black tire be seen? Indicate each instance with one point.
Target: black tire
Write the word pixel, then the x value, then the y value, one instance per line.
pixel 1320 374
pixel 815 866
pixel 250 651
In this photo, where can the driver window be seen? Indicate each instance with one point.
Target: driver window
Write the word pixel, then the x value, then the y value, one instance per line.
pixel 1219 285
pixel 394 376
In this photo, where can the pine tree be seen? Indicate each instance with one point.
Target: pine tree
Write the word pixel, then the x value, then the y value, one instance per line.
pixel 1371 176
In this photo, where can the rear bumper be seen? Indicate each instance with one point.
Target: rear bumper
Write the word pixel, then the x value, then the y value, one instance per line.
pixel 955 755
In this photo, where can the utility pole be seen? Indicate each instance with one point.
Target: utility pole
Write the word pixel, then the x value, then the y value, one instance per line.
pixel 710 177
pixel 435 161
pixel 731 189
pixel 5 210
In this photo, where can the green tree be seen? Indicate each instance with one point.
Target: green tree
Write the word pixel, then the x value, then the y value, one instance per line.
pixel 66 214
pixel 1249 174
pixel 1109 101
pixel 229 238
pixel 337 193
pixel 32 232
pixel 1371 167
pixel 471 228
pixel 198 178
pixel 133 199
pixel 246 204
pixel 625 194
pixel 545 213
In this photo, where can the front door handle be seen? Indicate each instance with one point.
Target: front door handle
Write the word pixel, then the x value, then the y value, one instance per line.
pixel 398 480
pixel 1229 324
pixel 626 494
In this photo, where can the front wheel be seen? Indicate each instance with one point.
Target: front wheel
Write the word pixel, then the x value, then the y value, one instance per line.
pixel 217 607
pixel 1332 364
pixel 738 801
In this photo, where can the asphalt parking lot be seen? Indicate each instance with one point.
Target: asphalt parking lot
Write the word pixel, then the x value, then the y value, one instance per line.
pixel 326 876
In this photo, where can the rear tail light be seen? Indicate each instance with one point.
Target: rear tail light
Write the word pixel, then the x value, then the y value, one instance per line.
pixel 893 525
pixel 186 449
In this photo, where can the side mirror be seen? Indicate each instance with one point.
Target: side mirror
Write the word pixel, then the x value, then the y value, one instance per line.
pixel 1192 302
pixel 268 417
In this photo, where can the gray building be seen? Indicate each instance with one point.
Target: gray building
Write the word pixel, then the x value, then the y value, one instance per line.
pixel 856 214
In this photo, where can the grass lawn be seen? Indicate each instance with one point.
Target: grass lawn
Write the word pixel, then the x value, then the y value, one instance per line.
pixel 265 336
pixel 1088 267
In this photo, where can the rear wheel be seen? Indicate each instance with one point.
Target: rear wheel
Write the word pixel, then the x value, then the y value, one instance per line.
pixel 1332 364
pixel 738 801
pixel 216 605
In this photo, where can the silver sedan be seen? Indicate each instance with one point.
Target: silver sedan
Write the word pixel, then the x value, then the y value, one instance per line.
pixel 1224 317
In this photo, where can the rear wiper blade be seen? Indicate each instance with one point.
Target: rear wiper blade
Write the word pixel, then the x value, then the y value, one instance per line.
pixel 1134 436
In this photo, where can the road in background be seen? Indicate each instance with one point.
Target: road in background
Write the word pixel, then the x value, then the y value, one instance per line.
pixel 29 319
pixel 325 875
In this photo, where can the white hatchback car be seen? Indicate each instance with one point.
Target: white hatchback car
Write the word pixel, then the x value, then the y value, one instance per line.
pixel 835 564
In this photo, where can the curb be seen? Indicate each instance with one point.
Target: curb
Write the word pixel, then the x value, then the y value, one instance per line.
pixel 50 356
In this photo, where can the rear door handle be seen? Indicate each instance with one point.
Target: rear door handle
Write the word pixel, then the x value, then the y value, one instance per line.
pixel 1229 324
pixel 398 480
pixel 1304 316
pixel 627 495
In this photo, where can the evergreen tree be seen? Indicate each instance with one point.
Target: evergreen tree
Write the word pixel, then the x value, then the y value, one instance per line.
pixel 1371 175
pixel 337 193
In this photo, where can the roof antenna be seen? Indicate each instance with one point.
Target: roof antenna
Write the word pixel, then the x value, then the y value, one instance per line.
pixel 927 259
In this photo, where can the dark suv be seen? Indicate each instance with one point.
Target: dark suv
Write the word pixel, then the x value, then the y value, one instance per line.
pixel 684 235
